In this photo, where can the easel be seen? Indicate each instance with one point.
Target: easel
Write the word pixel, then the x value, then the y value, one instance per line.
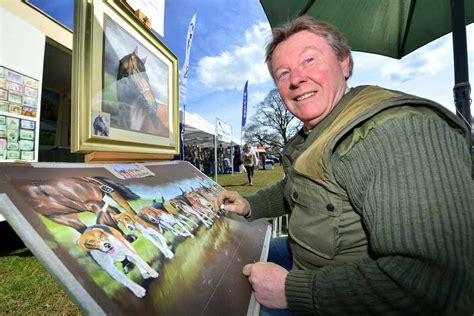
pixel 107 156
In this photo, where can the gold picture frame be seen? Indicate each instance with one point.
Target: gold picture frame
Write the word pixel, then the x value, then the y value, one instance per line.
pixel 124 83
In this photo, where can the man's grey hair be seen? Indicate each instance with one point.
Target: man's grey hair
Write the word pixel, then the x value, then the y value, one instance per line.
pixel 334 38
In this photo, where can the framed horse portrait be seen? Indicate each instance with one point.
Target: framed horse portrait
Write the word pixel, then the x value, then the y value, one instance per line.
pixel 124 85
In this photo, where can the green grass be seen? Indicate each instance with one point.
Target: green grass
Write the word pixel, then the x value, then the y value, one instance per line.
pixel 26 288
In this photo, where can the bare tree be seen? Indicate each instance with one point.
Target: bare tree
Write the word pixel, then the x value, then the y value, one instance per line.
pixel 272 125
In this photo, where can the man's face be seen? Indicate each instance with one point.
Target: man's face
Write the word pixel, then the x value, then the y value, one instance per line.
pixel 309 76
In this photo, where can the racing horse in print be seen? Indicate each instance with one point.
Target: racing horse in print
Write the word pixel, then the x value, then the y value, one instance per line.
pixel 139 110
pixel 62 200
pixel 100 127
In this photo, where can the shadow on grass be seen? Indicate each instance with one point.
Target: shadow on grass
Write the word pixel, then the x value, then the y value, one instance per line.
pixel 13 245
pixel 236 185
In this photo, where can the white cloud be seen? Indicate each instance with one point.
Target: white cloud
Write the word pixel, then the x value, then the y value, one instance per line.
pixel 366 61
pixel 426 61
pixel 257 96
pixel 231 69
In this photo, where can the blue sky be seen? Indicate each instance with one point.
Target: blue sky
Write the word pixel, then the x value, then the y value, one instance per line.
pixel 228 49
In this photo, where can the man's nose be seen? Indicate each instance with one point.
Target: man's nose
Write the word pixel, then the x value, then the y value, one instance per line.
pixel 297 76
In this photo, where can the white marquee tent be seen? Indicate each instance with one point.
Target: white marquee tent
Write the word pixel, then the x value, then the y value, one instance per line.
pixel 198 131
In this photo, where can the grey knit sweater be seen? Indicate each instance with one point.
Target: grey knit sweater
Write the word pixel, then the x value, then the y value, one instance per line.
pixel 410 181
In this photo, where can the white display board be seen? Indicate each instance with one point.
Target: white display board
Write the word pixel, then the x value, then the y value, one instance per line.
pixel 21 72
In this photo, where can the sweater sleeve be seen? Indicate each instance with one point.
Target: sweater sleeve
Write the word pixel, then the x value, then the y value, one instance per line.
pixel 268 202
pixel 410 179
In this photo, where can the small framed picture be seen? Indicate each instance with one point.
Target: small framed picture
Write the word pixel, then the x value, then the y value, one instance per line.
pixel 30 92
pixel 12 135
pixel 27 155
pixel 27 111
pixel 27 134
pixel 3 94
pixel 29 101
pixel 28 124
pixel 100 124
pixel 13 154
pixel 3 131
pixel 14 76
pixel 27 144
pixel 3 106
pixel 14 108
pixel 13 97
pixel 13 146
pixel 14 87
pixel 32 83
pixel 12 123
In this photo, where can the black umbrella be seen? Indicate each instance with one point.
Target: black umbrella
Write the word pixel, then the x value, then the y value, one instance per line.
pixel 392 28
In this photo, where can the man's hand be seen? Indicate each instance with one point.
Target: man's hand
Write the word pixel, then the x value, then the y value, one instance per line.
pixel 233 202
pixel 268 282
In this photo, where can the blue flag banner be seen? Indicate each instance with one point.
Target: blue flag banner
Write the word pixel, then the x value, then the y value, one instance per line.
pixel 244 106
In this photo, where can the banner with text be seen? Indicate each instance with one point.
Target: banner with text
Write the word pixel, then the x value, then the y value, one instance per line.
pixel 244 106
pixel 183 82
pixel 223 131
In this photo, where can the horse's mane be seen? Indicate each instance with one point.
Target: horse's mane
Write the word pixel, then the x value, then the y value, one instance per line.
pixel 125 192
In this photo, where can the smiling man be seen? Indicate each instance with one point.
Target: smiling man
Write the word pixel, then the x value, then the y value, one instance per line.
pixel 378 187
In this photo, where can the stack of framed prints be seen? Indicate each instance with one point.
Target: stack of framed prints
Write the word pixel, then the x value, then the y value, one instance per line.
pixel 135 238
pixel 19 95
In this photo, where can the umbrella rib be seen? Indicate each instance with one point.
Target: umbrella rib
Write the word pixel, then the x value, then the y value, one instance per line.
pixel 306 7
pixel 401 49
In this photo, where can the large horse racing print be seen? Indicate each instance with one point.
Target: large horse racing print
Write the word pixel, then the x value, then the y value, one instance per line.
pixel 124 244
pixel 125 83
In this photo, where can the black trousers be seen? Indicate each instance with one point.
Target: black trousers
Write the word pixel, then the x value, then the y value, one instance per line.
pixel 249 172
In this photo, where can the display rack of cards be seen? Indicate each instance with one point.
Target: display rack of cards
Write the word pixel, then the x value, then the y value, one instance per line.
pixel 19 116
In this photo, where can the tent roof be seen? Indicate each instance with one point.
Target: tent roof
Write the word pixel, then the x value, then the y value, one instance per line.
pixel 198 131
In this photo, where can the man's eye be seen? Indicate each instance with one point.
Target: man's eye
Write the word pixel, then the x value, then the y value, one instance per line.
pixel 283 74
pixel 309 60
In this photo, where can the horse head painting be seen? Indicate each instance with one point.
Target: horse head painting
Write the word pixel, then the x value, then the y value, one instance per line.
pixel 139 110
pixel 100 126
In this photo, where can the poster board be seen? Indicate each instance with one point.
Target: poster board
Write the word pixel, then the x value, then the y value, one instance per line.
pixel 192 268
pixel 21 71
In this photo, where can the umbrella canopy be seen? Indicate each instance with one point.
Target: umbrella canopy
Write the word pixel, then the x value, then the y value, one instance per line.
pixel 391 28
pixel 384 27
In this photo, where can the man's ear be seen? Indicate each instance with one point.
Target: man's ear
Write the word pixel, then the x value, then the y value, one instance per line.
pixel 345 66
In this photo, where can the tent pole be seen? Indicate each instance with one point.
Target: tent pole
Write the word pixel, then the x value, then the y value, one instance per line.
pixel 215 157
pixel 462 88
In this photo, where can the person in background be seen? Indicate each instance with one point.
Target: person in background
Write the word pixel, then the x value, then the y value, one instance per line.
pixel 379 188
pixel 249 161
